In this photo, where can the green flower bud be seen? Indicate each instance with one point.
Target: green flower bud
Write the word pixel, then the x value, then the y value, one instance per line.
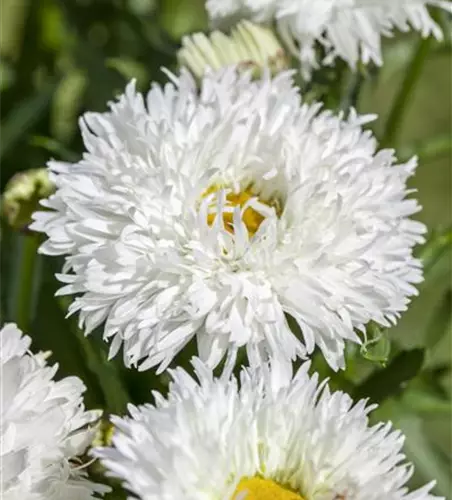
pixel 22 195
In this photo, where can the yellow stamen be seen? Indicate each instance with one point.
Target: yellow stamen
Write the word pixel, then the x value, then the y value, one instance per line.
pixel 257 488
pixel 250 217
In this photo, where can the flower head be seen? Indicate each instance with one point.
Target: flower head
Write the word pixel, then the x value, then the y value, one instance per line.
pixel 248 46
pixel 348 29
pixel 272 438
pixel 215 214
pixel 43 427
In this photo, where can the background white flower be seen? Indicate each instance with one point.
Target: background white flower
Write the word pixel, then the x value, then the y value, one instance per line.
pixel 214 214
pixel 249 46
pixel 211 440
pixel 43 427
pixel 349 29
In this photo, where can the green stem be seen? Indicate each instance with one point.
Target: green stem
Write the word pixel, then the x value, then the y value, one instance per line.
pixel 350 96
pixel 404 94
pixel 437 246
pixel 24 296
pixel 429 150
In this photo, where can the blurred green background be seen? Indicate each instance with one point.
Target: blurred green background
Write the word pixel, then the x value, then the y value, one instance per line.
pixel 61 58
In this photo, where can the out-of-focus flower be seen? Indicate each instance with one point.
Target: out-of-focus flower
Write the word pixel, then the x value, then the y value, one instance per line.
pixel 348 29
pixel 44 427
pixel 249 46
pixel 272 438
pixel 22 195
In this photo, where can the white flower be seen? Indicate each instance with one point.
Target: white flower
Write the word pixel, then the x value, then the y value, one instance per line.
pixel 249 46
pixel 212 215
pixel 277 438
pixel 43 427
pixel 349 29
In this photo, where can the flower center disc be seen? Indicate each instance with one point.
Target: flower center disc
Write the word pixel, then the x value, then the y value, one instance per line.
pixel 256 488
pixel 250 217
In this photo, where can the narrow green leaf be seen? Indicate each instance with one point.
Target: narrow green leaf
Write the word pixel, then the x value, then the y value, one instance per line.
pixel 129 69
pixel 24 117
pixel 440 322
pixel 399 106
pixel 55 147
pixel 433 148
pixel 437 245
pixel 421 450
pixel 13 16
pixel 419 401
pixel 115 393
pixel 67 104
pixel 24 286
pixel 179 17
pixel 387 382
pixel 50 331
pixel 353 87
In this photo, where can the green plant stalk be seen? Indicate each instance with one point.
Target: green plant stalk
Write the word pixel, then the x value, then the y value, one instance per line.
pixel 432 149
pixel 399 107
pixel 437 246
pixel 24 296
pixel 352 89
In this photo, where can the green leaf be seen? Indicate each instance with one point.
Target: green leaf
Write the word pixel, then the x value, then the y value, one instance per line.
pixel 420 401
pixel 400 104
pixel 55 147
pixel 440 322
pixel 24 117
pixel 180 17
pixel 50 331
pixel 428 460
pixel 67 104
pixel 437 245
pixel 428 150
pixel 129 69
pixel 387 382
pixel 25 285
pixel 93 349
pixel 13 17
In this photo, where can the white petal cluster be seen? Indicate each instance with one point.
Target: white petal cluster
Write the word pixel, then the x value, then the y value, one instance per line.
pixel 43 427
pixel 206 436
pixel 334 249
pixel 348 29
pixel 249 46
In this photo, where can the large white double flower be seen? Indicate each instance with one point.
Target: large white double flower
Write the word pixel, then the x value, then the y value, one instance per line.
pixel 43 427
pixel 272 438
pixel 213 214
pixel 348 29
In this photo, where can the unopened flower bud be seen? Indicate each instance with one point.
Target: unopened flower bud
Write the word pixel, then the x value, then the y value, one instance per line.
pixel 249 46
pixel 22 195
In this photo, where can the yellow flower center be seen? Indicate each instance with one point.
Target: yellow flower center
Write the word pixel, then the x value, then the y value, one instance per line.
pixel 250 217
pixel 257 488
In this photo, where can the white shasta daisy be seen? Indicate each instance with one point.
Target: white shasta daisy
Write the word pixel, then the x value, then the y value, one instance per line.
pixel 212 215
pixel 43 427
pixel 349 29
pixel 274 438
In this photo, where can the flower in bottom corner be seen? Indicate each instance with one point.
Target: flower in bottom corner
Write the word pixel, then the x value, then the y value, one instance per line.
pixel 265 437
pixel 44 427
